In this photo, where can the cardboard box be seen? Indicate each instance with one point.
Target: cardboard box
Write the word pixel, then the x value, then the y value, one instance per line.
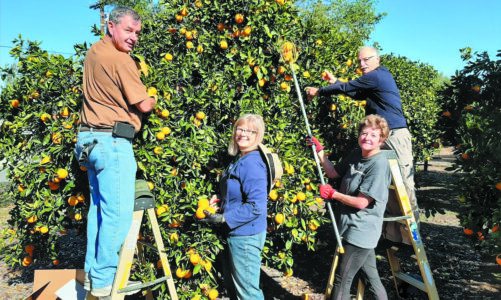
pixel 48 282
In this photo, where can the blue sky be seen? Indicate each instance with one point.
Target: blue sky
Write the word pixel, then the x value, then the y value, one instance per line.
pixel 429 31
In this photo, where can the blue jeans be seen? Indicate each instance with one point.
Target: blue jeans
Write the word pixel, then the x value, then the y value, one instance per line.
pixel 244 260
pixel 112 173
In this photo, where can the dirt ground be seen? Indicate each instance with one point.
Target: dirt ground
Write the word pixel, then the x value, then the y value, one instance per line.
pixel 458 270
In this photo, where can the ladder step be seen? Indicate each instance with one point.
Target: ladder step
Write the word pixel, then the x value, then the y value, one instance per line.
pixel 144 285
pixel 397 219
pixel 412 281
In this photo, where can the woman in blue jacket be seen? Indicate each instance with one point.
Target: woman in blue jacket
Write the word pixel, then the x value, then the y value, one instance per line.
pixel 244 194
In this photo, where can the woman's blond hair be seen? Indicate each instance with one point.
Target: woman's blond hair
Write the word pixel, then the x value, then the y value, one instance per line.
pixel 377 122
pixel 253 122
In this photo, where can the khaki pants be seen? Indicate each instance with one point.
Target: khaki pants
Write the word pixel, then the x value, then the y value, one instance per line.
pixel 400 141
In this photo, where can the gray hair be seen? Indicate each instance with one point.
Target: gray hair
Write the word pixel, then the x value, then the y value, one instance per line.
pixel 119 12
pixel 369 47
pixel 255 122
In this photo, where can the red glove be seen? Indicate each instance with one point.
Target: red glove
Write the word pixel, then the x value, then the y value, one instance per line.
pixel 326 191
pixel 313 140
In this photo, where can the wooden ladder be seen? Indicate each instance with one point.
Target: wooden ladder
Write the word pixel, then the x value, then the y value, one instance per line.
pixel 406 218
pixel 133 245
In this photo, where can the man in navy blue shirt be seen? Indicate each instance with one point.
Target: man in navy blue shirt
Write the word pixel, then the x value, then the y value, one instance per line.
pixel 379 89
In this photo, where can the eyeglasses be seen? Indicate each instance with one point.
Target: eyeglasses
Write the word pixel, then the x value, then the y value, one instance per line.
pixel 247 131
pixel 366 59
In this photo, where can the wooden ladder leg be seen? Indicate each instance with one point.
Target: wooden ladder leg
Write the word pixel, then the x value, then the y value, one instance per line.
pixel 332 275
pixel 126 257
pixel 161 251
pixel 360 290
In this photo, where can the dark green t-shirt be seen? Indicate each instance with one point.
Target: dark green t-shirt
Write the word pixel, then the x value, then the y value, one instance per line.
pixel 370 176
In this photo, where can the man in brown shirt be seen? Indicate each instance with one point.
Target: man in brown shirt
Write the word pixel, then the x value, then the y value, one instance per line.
pixel 115 98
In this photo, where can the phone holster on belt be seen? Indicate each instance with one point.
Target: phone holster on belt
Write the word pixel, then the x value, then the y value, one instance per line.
pixel 124 130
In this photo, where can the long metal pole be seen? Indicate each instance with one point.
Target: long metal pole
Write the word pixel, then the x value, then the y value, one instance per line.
pixel 317 161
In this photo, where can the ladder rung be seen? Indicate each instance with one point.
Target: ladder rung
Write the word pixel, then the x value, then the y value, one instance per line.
pixel 144 285
pixel 396 219
pixel 412 281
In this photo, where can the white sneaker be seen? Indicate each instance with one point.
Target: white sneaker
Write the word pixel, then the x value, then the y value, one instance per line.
pixel 87 282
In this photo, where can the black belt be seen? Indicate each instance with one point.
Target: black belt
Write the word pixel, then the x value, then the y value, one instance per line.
pixel 87 128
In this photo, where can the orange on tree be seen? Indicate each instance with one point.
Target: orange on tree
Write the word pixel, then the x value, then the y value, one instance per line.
pixel 180 272
pixel 447 114
pixel 288 272
pixel 62 173
pixel 203 203
pixel 198 3
pixel 281 70
pixel 164 113
pixel 174 237
pixel 29 249
pixel 20 188
pixel 189 45
pixel 284 86
pixel 72 201
pixel 301 196
pixel 80 197
pixel 498 259
pixel 158 150
pixel 45 117
pixel 32 219
pixel 195 259
pixel 14 103
pixel 279 218
pixel 65 113
pixel 168 57
pixel 213 293
pixel 476 88
pixel 273 195
pixel 239 18
pixel 200 213
pixel 27 261
pixel 78 217
pixel 184 11
pixel 200 115
pixel 220 26
pixel 468 231
pixel 224 44
pixel 200 49
pixel 498 186
pixel 160 135
pixel 247 31
pixel 261 82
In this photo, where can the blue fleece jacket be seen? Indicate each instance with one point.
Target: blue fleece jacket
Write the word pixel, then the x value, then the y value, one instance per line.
pixel 380 91
pixel 244 194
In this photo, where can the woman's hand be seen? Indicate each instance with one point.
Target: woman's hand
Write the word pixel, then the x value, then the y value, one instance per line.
pixel 313 141
pixel 327 191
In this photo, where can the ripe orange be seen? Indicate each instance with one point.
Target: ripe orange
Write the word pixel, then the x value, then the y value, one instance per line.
pixel 164 113
pixel 349 62
pixel 168 57
pixel 32 219
pixel 207 265
pixel 498 186
pixel 78 217
pixel 200 115
pixel 53 185
pixel 180 273
pixel 189 45
pixel 200 213
pixel 65 113
pixel 62 173
pixel 476 88
pixel 465 156
pixel 45 117
pixel 203 203
pixel 45 160
pixel 57 138
pixel 301 196
pixel 359 72
pixel 29 249
pixel 262 81
pixel 224 44
pixel 172 30
pixel 284 86
pixel 498 259
pixel 80 197
pixel 158 150
pixel 273 195
pixel 187 274
pixel 281 70
pixel 195 259
pixel 200 49
pixel 160 135
pixel 281 2
pixel 279 218
pixel 447 114
pixel 20 188
pixel 27 261
pixel 184 12
pixel 197 122
pixel 312 225
pixel 468 231
pixel 495 228
pixel 198 3
pixel 239 18
pixel 14 103
pixel 213 293
pixel 288 77
pixel 220 26
pixel 247 31
pixel 162 209
pixel 72 201
pixel 468 107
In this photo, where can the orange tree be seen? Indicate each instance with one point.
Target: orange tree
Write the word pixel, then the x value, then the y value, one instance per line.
pixel 470 121
pixel 207 62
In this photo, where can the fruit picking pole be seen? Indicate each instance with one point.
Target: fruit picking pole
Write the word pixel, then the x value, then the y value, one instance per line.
pixel 315 154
